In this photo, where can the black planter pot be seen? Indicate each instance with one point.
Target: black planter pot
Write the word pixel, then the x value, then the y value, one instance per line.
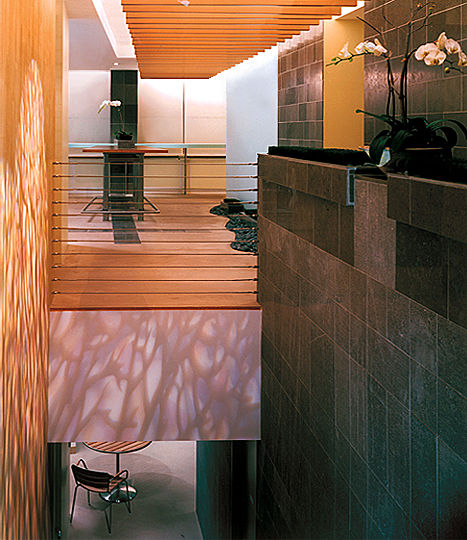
pixel 418 161
pixel 125 143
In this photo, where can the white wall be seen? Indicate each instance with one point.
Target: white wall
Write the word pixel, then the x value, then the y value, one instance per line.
pixel 160 110
pixel 205 110
pixel 251 89
pixel 87 90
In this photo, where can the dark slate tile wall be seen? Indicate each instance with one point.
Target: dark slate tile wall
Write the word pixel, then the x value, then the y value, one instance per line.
pixel 124 87
pixel 214 488
pixel 363 403
pixel 301 90
pixel 432 92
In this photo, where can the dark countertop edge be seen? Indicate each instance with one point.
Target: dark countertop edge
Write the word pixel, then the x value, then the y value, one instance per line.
pixel 310 161
pixel 419 179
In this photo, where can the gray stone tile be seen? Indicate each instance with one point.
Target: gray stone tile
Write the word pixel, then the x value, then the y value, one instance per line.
pixel 358 408
pixel 326 225
pixel 452 494
pixel 358 341
pixel 422 267
pixel 358 519
pixel 387 515
pixel 342 328
pixel 378 430
pixel 399 453
pixel 358 294
pixel 424 487
pixel 389 366
pixel 423 336
pixel 376 309
pixel 457 306
pixel 452 418
pixel 452 354
pixel 317 306
pixel 424 395
pixel 399 198
pixel 342 391
pixel 398 328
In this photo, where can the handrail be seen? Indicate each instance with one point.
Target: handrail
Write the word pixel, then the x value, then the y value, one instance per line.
pixel 158 250
pixel 152 145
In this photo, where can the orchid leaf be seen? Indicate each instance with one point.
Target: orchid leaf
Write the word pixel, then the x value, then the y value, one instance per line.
pixel 450 134
pixel 438 123
pixel 378 144
pixel 400 139
pixel 383 117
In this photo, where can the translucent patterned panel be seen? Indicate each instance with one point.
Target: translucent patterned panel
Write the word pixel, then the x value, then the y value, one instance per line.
pixel 154 375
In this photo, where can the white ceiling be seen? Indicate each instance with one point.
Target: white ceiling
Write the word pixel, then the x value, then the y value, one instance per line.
pixel 90 46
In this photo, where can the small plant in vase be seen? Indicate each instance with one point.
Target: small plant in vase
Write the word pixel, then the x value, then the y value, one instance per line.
pixel 122 138
pixel 414 144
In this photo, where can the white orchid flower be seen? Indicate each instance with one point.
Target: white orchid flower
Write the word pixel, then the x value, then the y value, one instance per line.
pixel 441 41
pixel 107 102
pixel 379 49
pixel 462 59
pixel 425 50
pixel 452 47
pixel 344 52
pixel 370 46
pixel 360 48
pixel 435 58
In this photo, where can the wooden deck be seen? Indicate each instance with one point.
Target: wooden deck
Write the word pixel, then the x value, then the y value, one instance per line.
pixel 184 261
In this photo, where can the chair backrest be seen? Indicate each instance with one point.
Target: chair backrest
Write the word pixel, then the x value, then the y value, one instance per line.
pixel 95 479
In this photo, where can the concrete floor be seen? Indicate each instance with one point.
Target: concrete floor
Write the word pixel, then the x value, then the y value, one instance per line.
pixel 164 475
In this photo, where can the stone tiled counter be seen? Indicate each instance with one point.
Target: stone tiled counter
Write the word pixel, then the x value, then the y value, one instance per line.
pixel 364 369
pixel 431 243
pixel 314 200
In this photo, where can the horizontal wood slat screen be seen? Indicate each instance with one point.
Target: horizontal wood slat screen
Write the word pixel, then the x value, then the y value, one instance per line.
pixel 206 37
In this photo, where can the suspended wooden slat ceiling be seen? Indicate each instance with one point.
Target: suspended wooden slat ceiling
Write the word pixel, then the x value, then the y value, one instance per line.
pixel 209 36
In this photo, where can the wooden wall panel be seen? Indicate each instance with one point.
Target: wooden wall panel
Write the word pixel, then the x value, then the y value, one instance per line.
pixel 27 113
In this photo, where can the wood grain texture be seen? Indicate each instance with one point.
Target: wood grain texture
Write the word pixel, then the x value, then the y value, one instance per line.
pixel 245 28
pixel 184 261
pixel 27 127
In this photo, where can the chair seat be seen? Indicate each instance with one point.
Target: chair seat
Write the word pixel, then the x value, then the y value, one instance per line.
pixel 112 485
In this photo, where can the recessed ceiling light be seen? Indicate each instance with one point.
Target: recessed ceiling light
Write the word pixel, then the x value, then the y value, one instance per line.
pixel 115 63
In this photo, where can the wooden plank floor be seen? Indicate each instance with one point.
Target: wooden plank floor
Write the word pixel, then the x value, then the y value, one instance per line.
pixel 184 260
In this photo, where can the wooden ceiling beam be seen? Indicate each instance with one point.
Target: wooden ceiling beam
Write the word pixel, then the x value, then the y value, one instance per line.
pixel 178 9
pixel 216 26
pixel 217 33
pixel 210 36
pixel 258 19
pixel 193 3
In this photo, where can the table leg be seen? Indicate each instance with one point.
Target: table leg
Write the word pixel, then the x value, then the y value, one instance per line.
pixel 120 494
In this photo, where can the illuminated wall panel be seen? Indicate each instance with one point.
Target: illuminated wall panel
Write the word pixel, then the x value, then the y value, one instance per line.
pixel 154 375
pixel 27 118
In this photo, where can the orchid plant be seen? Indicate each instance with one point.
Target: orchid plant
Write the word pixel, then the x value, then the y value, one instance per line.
pixel 121 134
pixel 408 132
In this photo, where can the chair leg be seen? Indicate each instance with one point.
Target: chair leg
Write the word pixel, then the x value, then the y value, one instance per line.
pixel 109 521
pixel 73 506
pixel 89 498
pixel 128 500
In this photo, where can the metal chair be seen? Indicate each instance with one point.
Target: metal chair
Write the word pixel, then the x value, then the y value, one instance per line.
pixel 99 482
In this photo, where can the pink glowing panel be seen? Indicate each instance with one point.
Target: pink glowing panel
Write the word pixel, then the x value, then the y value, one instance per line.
pixel 154 375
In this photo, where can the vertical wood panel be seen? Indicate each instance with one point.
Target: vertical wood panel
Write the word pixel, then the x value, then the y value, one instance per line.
pixel 27 111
